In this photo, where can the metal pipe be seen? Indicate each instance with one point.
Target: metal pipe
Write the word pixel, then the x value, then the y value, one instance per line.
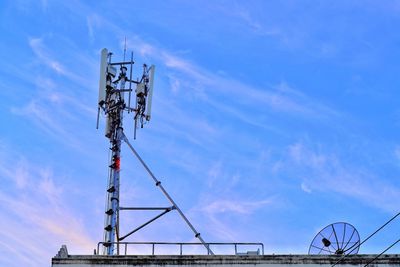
pixel 98 118
pixel 146 208
pixel 130 83
pixel 120 63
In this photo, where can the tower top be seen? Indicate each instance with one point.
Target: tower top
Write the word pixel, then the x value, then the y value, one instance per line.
pixel 115 92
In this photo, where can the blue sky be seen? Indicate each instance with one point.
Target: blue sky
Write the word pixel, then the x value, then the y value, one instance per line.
pixel 270 121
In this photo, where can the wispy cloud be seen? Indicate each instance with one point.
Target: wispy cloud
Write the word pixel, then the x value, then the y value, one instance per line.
pixel 44 56
pixel 225 97
pixel 220 93
pixel 51 108
pixel 42 118
pixel 397 153
pixel 33 208
pixel 37 46
pixel 326 172
pixel 232 206
pixel 219 213
pixel 305 188
pixel 93 21
pixel 253 24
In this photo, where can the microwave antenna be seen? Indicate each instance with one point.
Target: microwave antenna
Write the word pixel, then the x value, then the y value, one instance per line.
pixel 116 88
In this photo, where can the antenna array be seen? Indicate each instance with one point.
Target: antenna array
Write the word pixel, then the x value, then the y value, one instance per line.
pixel 112 89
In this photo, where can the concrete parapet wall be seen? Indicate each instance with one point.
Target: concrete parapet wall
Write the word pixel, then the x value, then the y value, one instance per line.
pixel 391 260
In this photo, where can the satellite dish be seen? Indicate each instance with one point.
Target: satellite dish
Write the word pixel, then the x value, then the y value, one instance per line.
pixel 337 238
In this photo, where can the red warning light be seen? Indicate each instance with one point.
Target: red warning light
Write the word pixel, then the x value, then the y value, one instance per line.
pixel 117 164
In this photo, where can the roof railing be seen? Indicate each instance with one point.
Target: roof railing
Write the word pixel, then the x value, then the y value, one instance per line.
pixel 235 248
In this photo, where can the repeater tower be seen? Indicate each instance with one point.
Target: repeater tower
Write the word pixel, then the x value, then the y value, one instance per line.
pixel 116 87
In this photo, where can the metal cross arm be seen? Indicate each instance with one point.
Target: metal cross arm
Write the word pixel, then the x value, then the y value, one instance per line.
pixel 147 208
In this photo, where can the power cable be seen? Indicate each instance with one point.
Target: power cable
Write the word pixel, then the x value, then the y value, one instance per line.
pixel 392 245
pixel 371 235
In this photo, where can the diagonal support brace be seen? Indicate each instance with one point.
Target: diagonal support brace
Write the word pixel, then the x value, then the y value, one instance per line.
pixel 143 225
pixel 158 183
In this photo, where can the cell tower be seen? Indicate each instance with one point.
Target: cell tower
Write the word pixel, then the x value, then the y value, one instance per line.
pixel 112 94
pixel 115 91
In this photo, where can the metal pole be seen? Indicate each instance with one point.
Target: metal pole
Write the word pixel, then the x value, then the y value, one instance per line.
pixel 130 83
pixel 112 210
pixel 114 108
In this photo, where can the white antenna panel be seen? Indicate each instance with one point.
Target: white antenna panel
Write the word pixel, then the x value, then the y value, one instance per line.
pixel 111 70
pixel 108 129
pixel 102 82
pixel 150 94
pixel 140 89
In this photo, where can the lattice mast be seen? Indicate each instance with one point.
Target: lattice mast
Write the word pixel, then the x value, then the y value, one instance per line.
pixel 112 95
pixel 115 91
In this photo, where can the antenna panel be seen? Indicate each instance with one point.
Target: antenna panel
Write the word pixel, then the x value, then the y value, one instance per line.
pixel 112 71
pixel 150 93
pixel 108 129
pixel 102 81
pixel 140 89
